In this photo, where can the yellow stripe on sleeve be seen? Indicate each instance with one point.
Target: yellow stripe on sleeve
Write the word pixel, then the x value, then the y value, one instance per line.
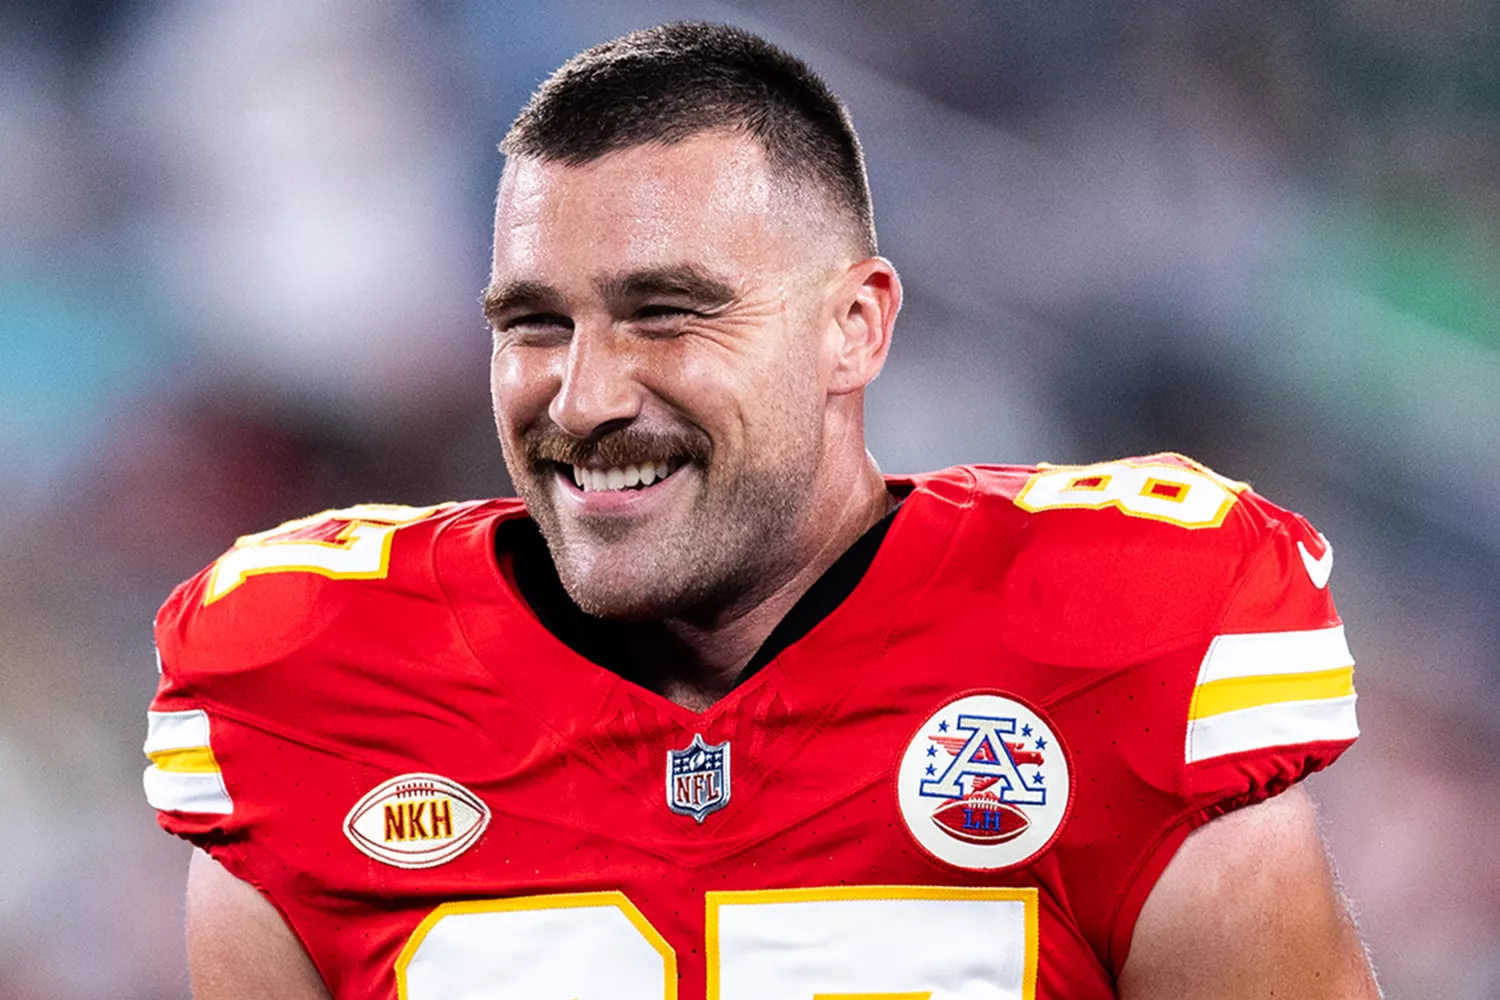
pixel 1262 690
pixel 1230 694
pixel 186 760
pixel 184 775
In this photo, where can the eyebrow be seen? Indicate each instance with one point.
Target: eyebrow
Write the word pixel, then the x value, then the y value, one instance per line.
pixel 686 281
pixel 683 281
pixel 509 295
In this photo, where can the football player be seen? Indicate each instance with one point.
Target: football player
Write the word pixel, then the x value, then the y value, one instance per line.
pixel 720 710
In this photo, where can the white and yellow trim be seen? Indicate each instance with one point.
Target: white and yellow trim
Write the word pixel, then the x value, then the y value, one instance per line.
pixel 452 978
pixel 741 941
pixel 1259 690
pixel 1155 488
pixel 184 776
pixel 360 551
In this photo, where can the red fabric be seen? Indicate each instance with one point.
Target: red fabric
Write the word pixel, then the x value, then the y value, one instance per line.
pixel 319 690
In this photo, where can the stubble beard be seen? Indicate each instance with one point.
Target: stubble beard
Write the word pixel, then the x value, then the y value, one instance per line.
pixel 727 551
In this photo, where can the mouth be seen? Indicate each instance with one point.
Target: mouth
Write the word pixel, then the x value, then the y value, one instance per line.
pixel 633 478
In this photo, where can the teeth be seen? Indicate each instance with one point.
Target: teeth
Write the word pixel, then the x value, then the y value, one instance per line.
pixel 594 480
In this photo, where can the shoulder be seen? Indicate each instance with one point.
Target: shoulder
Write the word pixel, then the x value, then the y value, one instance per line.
pixel 1204 929
pixel 1121 559
pixel 280 654
pixel 277 590
pixel 1153 496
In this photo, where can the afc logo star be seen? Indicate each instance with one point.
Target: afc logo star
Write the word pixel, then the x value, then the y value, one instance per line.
pixel 698 778
pixel 984 783
pixel 989 811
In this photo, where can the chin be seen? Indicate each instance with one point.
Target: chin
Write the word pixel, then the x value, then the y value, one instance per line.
pixel 628 585
pixel 623 599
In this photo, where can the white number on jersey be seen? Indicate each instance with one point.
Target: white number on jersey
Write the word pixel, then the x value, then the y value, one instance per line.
pixel 1145 487
pixel 360 551
pixel 840 943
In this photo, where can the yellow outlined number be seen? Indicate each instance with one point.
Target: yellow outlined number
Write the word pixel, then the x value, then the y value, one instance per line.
pixel 601 946
pixel 838 943
pixel 360 551
pixel 1149 488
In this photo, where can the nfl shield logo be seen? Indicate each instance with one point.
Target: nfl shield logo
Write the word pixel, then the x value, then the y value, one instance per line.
pixel 698 778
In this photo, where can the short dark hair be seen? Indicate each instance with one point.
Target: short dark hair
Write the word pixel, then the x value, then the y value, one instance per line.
pixel 672 82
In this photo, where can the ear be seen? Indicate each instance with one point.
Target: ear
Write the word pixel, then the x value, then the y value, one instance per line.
pixel 865 314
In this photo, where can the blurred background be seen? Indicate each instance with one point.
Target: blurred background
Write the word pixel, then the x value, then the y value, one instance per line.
pixel 242 248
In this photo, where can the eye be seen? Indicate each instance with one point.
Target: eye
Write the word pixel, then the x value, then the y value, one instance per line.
pixel 537 320
pixel 662 320
pixel 536 327
pixel 658 311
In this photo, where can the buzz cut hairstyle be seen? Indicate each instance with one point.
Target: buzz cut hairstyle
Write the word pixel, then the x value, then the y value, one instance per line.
pixel 677 81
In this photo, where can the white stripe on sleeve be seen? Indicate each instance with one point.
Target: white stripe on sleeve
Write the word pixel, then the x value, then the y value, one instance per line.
pixel 1252 654
pixel 176 730
pixel 187 791
pixel 1284 723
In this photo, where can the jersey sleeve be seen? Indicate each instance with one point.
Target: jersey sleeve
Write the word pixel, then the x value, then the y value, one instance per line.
pixel 277 665
pixel 231 767
pixel 205 740
pixel 184 781
pixel 1272 699
pixel 256 652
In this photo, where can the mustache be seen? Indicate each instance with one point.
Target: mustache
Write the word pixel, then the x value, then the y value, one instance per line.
pixel 616 448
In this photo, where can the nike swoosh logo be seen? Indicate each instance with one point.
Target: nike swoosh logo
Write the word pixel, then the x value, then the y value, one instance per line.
pixel 1320 569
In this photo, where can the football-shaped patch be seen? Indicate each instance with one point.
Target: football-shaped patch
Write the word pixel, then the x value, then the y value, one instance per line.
pixel 984 783
pixel 416 821
pixel 981 820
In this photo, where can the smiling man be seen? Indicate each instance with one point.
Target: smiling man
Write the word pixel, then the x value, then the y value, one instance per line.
pixel 719 710
pixel 698 311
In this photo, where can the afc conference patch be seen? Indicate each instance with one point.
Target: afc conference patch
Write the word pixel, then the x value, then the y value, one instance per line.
pixel 984 783
pixel 698 778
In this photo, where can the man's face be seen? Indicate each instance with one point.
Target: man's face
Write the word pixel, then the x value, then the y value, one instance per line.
pixel 659 372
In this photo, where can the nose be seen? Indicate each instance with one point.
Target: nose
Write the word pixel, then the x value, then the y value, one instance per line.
pixel 598 387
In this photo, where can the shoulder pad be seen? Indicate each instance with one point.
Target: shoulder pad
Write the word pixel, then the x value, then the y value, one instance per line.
pixel 275 591
pixel 1116 561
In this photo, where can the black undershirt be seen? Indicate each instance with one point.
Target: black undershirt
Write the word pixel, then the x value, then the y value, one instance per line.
pixel 603 641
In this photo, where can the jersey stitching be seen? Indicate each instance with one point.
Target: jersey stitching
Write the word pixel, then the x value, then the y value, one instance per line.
pixel 590 760
pixel 1262 552
pixel 217 708
pixel 242 861
pixel 1182 702
pixel 967 508
pixel 881 648
pixel 1193 820
pixel 463 633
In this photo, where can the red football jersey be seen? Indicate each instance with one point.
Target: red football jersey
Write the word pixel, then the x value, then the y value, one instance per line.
pixel 963 781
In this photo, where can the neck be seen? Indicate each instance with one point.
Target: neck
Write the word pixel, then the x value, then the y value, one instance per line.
pixel 713 653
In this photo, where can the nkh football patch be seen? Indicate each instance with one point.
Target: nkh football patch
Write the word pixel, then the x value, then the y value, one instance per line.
pixel 416 821
pixel 984 783
pixel 698 778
